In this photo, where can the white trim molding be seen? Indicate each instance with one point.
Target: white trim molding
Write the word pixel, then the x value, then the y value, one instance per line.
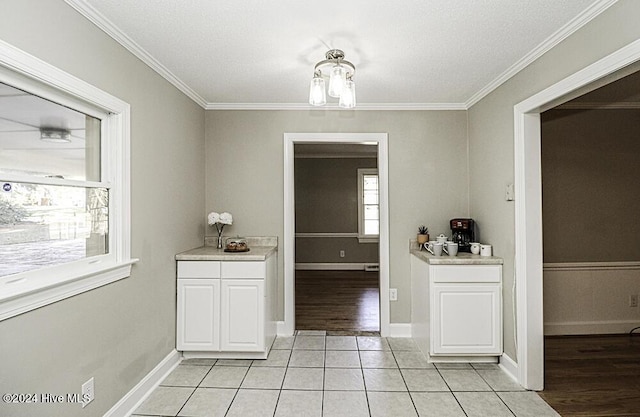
pixel 561 34
pixel 381 139
pixel 123 39
pixel 400 330
pixel 104 24
pixel 509 366
pixel 528 209
pixel 132 400
pixel 28 290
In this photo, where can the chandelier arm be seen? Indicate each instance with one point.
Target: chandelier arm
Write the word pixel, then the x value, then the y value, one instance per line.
pixel 336 62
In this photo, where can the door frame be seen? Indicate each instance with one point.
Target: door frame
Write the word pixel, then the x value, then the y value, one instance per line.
pixel 528 208
pixel 290 139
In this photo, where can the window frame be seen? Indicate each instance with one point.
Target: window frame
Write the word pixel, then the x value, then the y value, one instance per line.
pixel 26 291
pixel 362 237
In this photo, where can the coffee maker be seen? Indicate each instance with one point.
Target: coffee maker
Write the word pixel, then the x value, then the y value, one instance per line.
pixel 462 232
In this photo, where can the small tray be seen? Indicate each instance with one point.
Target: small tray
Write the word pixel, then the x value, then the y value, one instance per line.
pixel 236 250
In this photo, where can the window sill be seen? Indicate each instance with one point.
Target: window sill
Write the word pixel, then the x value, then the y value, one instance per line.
pixel 24 295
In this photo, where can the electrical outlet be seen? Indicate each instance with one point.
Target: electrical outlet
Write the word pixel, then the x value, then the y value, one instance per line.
pixel 88 393
pixel 342 254
pixel 393 294
pixel 633 300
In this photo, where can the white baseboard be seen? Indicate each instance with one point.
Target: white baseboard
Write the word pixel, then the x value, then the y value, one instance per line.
pixel 132 400
pixel 400 330
pixel 509 366
pixel 330 266
pixel 590 327
pixel 281 329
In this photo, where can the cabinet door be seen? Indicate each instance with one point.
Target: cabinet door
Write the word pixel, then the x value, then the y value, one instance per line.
pixel 242 315
pixel 198 315
pixel 467 319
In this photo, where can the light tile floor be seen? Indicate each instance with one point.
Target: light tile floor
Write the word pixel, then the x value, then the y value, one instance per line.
pixel 312 374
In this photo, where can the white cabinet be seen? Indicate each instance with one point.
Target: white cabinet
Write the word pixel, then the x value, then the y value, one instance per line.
pixel 198 314
pixel 464 314
pixel 466 309
pixel 223 307
pixel 466 319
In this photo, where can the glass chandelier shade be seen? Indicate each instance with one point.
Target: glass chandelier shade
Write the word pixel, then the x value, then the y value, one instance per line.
pixel 348 96
pixel 317 95
pixel 341 85
pixel 337 81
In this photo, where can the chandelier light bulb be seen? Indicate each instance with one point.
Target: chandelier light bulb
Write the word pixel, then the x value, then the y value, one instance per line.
pixel 337 80
pixel 317 95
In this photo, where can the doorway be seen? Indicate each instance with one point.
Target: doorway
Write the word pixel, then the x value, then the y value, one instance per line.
pixel 291 139
pixel 337 231
pixel 528 210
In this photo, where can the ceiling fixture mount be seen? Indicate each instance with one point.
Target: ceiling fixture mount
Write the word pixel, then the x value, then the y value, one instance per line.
pixel 341 84
pixel 55 135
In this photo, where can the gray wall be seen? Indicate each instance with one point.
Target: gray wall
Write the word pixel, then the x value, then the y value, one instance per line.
pixel 491 149
pixel 424 187
pixel 117 333
pixel 326 198
pixel 590 187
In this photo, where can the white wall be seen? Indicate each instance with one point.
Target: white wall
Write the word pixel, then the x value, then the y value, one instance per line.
pixel 491 134
pixel 427 174
pixel 119 332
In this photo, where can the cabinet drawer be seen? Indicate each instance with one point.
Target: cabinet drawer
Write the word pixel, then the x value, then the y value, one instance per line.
pixel 198 269
pixel 233 269
pixel 466 273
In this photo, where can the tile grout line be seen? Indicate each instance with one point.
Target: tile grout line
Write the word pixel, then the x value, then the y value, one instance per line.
pixel 194 388
pixel 451 391
pixel 405 382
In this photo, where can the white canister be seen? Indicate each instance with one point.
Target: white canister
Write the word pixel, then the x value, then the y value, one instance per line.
pixel 475 248
pixel 485 250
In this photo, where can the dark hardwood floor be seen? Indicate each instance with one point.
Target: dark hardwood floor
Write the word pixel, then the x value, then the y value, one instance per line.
pixel 340 302
pixel 593 375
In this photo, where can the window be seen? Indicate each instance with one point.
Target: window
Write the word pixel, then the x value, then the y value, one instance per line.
pixel 368 205
pixel 64 201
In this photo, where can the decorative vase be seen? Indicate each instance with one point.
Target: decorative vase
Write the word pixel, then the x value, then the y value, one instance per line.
pixel 219 242
pixel 422 239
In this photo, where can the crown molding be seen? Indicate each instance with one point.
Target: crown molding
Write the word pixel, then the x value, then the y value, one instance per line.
pixel 307 107
pixel 112 30
pixel 561 34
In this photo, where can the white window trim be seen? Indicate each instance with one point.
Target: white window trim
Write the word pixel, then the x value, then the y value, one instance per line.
pixel 26 291
pixel 362 238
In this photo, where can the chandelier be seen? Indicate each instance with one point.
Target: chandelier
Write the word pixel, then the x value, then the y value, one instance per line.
pixel 341 84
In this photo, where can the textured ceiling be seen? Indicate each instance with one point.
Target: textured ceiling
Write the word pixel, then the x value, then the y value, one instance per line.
pixel 408 53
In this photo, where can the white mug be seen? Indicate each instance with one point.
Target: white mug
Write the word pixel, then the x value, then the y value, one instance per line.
pixel 442 238
pixel 451 249
pixel 475 248
pixel 485 250
pixel 434 248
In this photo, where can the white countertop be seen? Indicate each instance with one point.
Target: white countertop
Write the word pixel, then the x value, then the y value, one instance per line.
pixel 260 248
pixel 462 258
